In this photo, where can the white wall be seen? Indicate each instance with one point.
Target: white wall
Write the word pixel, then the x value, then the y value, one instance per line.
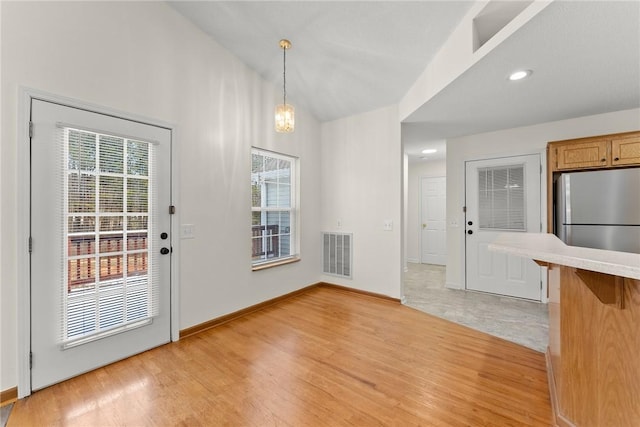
pixel 523 140
pixel 361 185
pixel 417 170
pixel 144 58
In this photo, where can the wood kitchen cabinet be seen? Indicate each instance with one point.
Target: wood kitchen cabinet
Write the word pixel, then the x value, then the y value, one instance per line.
pixel 596 152
pixel 592 154
pixel 625 151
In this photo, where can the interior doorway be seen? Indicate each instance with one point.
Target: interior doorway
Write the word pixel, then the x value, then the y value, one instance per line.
pixel 433 214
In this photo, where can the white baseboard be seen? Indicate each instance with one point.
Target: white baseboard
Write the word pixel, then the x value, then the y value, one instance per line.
pixel 450 285
pixel 413 260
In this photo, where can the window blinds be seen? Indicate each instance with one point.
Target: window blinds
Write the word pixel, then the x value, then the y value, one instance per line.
pixel 110 275
pixel 501 198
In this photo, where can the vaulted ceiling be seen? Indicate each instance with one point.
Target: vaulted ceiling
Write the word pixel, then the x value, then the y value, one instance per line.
pixel 352 57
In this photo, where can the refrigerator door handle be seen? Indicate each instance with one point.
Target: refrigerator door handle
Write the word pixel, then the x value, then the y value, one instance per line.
pixel 567 198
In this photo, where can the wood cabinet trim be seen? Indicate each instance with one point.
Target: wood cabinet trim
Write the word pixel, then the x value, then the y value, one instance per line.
pixel 609 136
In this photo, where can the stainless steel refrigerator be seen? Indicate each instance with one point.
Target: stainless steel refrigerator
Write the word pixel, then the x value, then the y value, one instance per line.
pixel 599 209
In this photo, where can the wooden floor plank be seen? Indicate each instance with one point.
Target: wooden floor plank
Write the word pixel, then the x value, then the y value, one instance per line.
pixel 326 357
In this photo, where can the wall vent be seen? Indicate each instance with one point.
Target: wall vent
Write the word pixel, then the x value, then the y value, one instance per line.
pixel 337 254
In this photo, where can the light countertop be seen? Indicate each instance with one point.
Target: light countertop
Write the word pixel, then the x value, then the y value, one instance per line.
pixel 548 248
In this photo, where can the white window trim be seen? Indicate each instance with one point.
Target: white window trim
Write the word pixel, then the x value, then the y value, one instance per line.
pixel 294 211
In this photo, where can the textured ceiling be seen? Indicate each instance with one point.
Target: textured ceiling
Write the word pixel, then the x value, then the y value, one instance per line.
pixel 352 57
pixel 585 58
pixel 347 57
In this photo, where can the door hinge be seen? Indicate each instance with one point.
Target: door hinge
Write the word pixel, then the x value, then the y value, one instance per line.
pixel 30 360
pixel 464 209
pixel 540 169
pixel 540 284
pixel 30 129
pixel 30 244
pixel 172 210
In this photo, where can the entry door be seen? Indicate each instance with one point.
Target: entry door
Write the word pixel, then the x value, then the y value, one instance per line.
pixel 502 195
pixel 100 261
pixel 434 218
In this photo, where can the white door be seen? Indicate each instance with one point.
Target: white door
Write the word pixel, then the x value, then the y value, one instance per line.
pixel 502 195
pixel 434 217
pixel 100 281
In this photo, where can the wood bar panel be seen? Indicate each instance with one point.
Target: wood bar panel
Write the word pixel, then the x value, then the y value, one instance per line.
pixel 594 353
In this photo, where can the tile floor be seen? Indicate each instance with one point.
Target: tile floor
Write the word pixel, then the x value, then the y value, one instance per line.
pixel 4 414
pixel 519 321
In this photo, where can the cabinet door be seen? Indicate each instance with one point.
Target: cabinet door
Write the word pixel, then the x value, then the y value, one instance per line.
pixel 625 151
pixel 585 155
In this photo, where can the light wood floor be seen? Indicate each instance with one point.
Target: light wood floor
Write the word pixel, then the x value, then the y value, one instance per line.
pixel 324 358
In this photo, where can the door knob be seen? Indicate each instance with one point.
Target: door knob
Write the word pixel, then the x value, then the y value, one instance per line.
pixel 163 235
pixel 470 232
pixel 164 251
pixel 470 222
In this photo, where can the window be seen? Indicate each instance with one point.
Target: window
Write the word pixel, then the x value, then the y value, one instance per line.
pixel 109 281
pixel 501 198
pixel 274 208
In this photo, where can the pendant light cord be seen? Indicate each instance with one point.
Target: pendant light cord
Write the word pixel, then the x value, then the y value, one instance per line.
pixel 284 76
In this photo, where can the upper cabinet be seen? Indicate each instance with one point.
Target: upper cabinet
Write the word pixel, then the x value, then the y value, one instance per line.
pixel 625 151
pixel 596 152
pixel 583 155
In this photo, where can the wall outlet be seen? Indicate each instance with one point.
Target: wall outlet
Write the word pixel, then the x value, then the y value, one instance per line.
pixel 453 223
pixel 388 225
pixel 187 231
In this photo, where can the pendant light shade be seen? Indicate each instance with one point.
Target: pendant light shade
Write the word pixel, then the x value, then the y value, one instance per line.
pixel 285 118
pixel 285 114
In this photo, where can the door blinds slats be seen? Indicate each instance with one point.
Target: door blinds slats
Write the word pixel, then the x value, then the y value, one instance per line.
pixel 501 198
pixel 110 277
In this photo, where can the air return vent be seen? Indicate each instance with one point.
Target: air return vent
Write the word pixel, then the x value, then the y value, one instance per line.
pixel 337 254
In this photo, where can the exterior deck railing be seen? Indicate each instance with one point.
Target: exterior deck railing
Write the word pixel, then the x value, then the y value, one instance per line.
pixel 82 271
pixel 265 241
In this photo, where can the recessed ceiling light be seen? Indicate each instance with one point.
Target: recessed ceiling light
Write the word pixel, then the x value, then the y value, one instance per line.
pixel 519 75
pixel 429 151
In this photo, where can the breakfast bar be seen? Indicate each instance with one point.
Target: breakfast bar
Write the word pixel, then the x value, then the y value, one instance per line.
pixel 593 357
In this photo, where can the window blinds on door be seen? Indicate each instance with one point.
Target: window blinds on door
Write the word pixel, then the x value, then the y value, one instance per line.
pixel 110 274
pixel 501 198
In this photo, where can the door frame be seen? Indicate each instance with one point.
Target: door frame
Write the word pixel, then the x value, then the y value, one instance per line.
pixel 422 177
pixel 544 295
pixel 23 209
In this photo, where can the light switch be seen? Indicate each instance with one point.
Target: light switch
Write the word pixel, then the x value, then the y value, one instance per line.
pixel 338 223
pixel 388 225
pixel 187 231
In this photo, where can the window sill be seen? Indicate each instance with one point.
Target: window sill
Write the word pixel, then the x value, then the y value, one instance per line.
pixel 264 266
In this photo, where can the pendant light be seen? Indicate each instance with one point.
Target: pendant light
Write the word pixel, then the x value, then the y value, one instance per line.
pixel 285 121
